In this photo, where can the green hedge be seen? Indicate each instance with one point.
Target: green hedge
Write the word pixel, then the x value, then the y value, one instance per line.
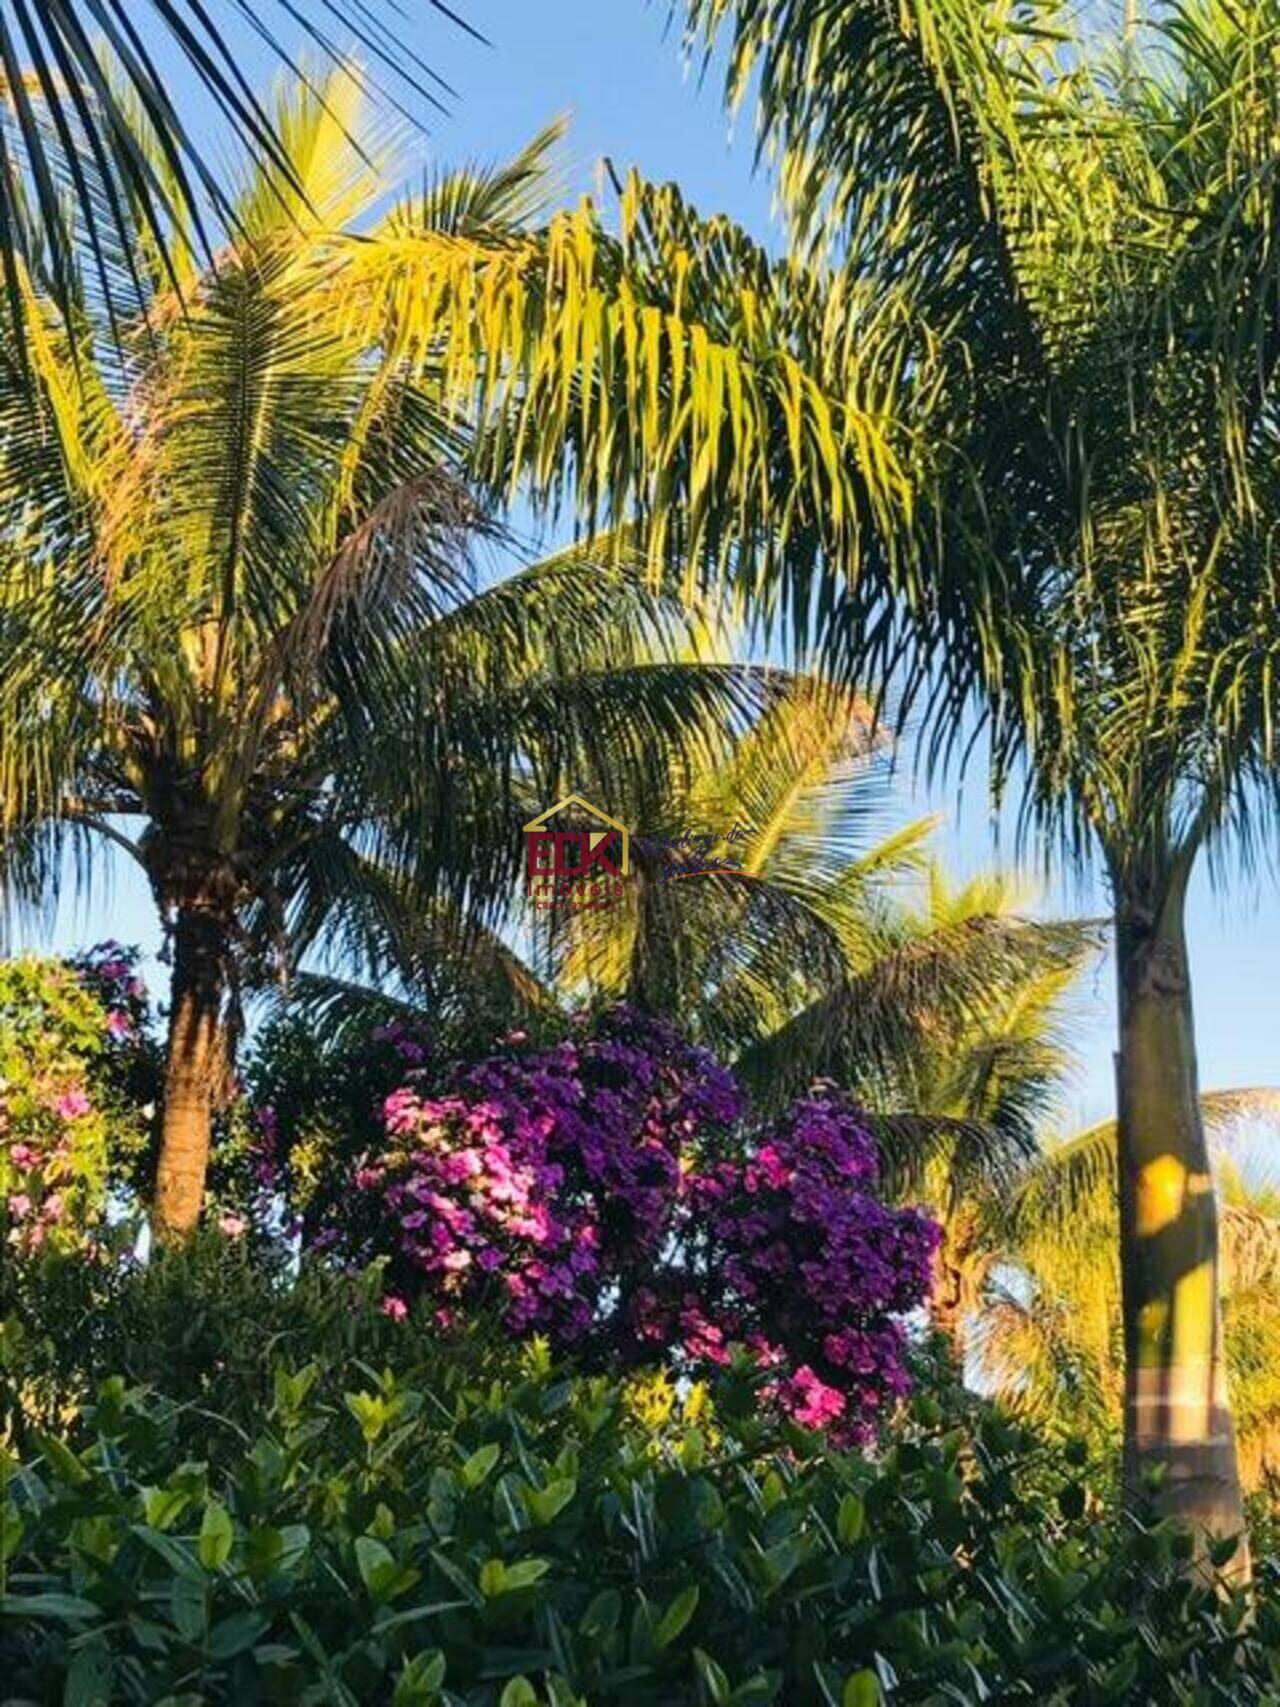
pixel 426 1536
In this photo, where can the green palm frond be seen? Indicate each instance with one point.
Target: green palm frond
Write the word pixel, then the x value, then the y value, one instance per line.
pixel 97 159
pixel 480 200
pixel 734 939
pixel 881 1029
pixel 1078 1176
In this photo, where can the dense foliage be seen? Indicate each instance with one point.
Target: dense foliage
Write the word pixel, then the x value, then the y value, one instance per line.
pixel 346 1511
pixel 231 1477
pixel 73 1055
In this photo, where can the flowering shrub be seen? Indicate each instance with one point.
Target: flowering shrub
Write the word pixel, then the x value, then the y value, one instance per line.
pixel 811 1266
pixel 68 1031
pixel 607 1192
pixel 308 1106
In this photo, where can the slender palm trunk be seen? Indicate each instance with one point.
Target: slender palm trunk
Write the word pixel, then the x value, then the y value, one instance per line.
pixel 948 1304
pixel 195 1068
pixel 1177 1411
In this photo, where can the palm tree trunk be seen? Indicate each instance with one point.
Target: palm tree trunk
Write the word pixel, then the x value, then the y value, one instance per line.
pixel 952 1288
pixel 195 1067
pixel 1177 1410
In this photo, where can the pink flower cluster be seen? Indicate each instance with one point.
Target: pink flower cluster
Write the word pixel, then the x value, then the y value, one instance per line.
pixel 608 1192
pixel 110 970
pixel 40 1170
pixel 814 1266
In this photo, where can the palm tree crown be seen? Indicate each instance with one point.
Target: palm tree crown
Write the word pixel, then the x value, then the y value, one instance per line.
pixel 240 601
pixel 1078 240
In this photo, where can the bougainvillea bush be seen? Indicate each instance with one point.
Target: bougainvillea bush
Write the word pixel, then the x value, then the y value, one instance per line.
pixel 71 1037
pixel 612 1193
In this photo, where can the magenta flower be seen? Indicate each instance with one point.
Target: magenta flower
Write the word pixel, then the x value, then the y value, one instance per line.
pixel 395 1307
pixel 609 1193
pixel 71 1105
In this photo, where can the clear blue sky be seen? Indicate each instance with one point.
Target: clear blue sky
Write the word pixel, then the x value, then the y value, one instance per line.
pixel 610 66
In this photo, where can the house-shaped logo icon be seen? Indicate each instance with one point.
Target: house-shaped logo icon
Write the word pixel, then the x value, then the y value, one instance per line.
pixel 601 851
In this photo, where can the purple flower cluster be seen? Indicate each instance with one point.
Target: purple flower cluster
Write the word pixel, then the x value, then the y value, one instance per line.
pixel 813 1266
pixel 608 1193
pixel 110 971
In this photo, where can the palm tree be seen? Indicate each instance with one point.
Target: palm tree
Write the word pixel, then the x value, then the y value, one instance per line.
pixel 798 942
pixel 1075 242
pixel 95 148
pixel 240 607
pixel 1044 1292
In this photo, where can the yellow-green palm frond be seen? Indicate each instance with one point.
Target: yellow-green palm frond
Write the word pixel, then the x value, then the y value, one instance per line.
pixel 672 373
pixel 884 1030
pixel 1077 1177
pixel 98 158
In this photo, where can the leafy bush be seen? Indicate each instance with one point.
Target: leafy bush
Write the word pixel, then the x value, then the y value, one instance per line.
pixel 433 1533
pixel 311 1106
pixel 207 1324
pixel 611 1193
pixel 72 1063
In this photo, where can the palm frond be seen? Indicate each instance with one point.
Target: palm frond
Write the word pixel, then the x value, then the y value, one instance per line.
pixel 1078 1176
pixel 95 154
pixel 879 1028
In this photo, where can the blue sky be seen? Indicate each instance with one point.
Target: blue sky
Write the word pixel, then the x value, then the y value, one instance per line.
pixel 612 68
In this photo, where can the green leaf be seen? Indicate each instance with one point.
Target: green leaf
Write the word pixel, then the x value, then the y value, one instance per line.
pixel 851 1520
pixel 519 1693
pixel 11 1531
pixel 171 1551
pixel 296 1538
pixel 375 1563
pixel 231 1636
pixel 601 1617
pixel 693 1449
pixel 757 1691
pixel 89 1678
pixel 861 1690
pixel 370 1411
pixel 420 1680
pixel 498 1578
pixel 459 1578
pixel 713 1676
pixel 62 1460
pixel 216 1536
pixel 478 1466
pixel 545 1504
pixel 383 1575
pixel 69 1608
pixel 189 1607
pixel 414 1614
pixel 526 1572
pixel 263 1550
pixel 675 1619
pixel 163 1506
